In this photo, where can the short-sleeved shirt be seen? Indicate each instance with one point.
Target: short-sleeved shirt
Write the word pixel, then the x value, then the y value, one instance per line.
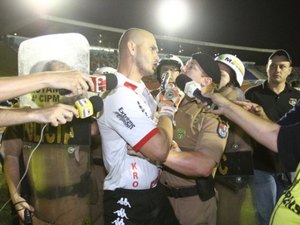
pixel 128 122
pixel 196 130
pixel 275 106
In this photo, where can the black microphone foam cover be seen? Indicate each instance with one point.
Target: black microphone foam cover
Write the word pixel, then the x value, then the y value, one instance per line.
pixel 111 81
pixel 181 81
pixel 97 103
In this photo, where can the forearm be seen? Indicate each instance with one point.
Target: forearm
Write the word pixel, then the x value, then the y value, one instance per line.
pixel 20 85
pixel 10 117
pixel 190 163
pixel 12 176
pixel 165 126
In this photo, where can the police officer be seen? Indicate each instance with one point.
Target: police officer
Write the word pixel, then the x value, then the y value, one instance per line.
pixel 58 161
pixel 236 167
pixel 201 139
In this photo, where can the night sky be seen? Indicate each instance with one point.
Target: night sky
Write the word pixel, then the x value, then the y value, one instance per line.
pixel 268 24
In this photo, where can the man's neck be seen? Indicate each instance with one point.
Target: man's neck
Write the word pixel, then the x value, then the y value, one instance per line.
pixel 276 87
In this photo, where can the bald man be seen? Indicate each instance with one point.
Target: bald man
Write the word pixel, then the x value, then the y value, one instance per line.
pixel 132 192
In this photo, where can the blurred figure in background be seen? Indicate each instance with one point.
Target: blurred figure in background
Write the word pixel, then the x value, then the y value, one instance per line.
pixel 58 163
pixel 276 97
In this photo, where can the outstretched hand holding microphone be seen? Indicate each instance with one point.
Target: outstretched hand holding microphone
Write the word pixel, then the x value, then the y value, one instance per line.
pixel 83 107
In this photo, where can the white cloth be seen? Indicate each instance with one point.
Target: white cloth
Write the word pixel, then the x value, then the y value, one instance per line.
pixel 127 120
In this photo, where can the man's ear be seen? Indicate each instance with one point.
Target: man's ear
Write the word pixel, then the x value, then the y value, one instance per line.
pixel 131 47
pixel 207 81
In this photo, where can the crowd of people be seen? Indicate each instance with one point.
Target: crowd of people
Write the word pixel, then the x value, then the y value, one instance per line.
pixel 175 155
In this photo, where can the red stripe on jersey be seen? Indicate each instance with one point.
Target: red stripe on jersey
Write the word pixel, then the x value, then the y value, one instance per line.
pixel 130 86
pixel 141 143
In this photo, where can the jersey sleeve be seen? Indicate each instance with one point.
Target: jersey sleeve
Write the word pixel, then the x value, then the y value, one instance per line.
pixel 130 117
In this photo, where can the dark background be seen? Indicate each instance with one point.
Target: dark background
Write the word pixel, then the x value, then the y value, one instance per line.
pixel 263 24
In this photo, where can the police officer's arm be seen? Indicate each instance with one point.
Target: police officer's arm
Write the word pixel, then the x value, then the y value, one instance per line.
pixel 73 81
pixel 12 149
pixel 190 163
pixel 203 158
pixel 55 114
pixel 262 130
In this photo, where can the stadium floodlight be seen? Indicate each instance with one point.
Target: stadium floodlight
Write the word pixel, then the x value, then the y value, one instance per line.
pixel 172 14
pixel 42 6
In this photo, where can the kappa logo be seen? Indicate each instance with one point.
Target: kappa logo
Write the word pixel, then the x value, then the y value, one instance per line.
pixel 180 133
pixel 121 115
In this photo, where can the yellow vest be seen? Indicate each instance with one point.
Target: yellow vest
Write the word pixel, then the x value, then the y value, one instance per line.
pixel 287 209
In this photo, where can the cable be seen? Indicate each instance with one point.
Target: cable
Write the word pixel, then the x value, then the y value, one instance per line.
pixel 27 166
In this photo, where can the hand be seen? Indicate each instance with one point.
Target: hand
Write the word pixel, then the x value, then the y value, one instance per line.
pixel 253 108
pixel 76 82
pixel 169 100
pixel 165 77
pixel 55 114
pixel 20 205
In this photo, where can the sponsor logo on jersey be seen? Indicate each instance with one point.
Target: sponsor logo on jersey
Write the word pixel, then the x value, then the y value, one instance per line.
pixel 121 115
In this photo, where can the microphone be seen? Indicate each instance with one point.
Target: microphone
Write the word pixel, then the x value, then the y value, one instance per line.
pixel 191 88
pixel 89 107
pixel 104 82
pixel 27 217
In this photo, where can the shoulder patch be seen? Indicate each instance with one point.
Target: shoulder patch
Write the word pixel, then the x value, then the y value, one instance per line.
pixel 222 129
pixel 293 101
pixel 180 133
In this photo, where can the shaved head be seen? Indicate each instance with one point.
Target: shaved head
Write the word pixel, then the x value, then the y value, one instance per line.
pixel 135 35
pixel 138 54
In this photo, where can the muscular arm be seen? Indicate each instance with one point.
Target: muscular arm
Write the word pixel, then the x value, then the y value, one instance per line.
pixel 190 163
pixel 157 148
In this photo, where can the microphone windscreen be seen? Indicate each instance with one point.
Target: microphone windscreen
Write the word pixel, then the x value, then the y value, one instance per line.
pixel 181 81
pixel 111 81
pixel 97 103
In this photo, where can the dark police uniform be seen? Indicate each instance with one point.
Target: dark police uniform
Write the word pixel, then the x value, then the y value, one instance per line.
pixel 59 170
pixel 193 199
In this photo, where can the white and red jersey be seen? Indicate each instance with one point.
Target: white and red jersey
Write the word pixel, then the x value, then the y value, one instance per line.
pixel 128 122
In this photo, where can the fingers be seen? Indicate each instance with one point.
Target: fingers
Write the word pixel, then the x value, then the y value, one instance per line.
pixel 76 82
pixel 57 114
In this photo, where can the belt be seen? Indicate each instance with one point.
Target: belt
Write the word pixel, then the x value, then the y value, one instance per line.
pixel 181 192
pixel 80 189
